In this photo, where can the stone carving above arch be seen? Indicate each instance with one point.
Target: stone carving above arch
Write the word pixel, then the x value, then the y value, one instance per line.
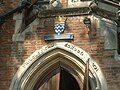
pixel 57 54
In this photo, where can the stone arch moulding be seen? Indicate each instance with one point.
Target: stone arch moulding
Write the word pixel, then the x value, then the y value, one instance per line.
pixel 50 56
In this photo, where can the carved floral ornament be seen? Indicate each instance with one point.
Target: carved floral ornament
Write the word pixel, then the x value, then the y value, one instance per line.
pixel 38 64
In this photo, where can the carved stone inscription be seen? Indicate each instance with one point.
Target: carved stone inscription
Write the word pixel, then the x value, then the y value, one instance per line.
pixel 66 46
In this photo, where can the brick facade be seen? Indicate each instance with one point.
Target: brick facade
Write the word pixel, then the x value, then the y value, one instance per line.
pixel 14 53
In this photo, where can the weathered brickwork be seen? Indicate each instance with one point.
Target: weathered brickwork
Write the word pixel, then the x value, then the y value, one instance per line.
pixel 6 61
pixel 13 54
pixel 8 5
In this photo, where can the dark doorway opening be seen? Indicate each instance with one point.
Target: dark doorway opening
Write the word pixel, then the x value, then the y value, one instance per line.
pixel 62 80
pixel 67 81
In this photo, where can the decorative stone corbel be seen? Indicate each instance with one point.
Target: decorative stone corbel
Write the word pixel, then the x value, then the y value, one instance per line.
pixel 93 6
pixel 55 4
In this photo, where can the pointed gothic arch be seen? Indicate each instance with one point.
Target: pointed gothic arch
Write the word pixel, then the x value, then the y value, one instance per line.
pixel 52 56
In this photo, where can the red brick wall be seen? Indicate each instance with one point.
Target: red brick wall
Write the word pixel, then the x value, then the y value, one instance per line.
pixel 13 54
pixel 8 4
pixel 6 62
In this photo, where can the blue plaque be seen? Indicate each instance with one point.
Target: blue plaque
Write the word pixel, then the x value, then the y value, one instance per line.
pixel 59 37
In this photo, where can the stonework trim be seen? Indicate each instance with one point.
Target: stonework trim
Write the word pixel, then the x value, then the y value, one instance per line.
pixel 43 59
